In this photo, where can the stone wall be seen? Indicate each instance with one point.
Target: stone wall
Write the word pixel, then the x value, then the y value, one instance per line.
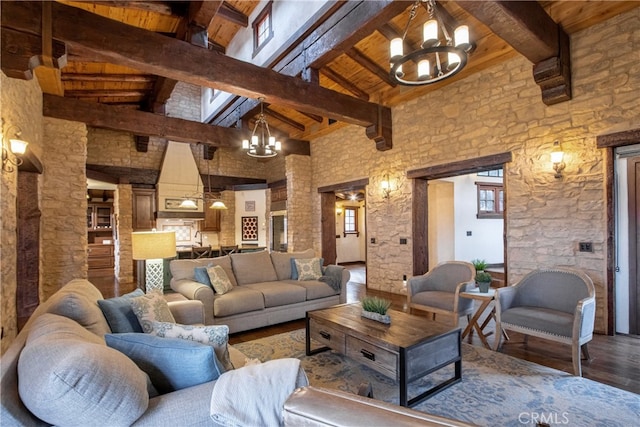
pixel 63 249
pixel 123 209
pixel 20 105
pixel 499 110
pixel 299 216
pixel 117 148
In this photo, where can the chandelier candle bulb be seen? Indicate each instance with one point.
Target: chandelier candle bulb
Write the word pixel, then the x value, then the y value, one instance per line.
pixel 396 49
pixel 452 60
pixel 461 36
pixel 245 144
pixel 430 33
pixel 424 69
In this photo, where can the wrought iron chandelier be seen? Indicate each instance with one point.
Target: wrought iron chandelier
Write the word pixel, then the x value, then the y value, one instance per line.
pixel 262 144
pixel 191 201
pixel 438 58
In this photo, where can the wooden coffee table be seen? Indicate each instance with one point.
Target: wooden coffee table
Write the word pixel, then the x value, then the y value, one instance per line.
pixel 406 350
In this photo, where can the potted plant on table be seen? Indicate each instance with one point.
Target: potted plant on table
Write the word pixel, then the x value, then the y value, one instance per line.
pixel 479 264
pixel 375 308
pixel 483 280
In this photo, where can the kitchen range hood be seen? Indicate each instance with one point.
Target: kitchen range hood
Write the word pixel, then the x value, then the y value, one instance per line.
pixel 179 179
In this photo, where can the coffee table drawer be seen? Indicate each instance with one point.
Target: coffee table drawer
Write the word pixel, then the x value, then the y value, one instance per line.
pixel 327 336
pixel 380 359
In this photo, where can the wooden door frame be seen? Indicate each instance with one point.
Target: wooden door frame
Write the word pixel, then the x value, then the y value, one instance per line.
pixel 633 176
pixel 610 142
pixel 328 212
pixel 420 215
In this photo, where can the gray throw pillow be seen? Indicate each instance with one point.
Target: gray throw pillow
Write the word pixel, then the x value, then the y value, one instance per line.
pixel 68 377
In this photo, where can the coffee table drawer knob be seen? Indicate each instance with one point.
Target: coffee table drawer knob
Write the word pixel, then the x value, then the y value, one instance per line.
pixel 326 335
pixel 368 354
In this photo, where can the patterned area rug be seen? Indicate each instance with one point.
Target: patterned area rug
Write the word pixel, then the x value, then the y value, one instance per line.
pixel 496 389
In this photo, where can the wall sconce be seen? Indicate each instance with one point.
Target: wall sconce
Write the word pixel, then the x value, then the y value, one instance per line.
pixel 339 210
pixel 13 150
pixel 557 156
pixel 386 187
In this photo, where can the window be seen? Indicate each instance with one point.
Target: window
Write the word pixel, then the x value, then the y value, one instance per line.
pixel 490 200
pixel 262 29
pixel 494 172
pixel 351 221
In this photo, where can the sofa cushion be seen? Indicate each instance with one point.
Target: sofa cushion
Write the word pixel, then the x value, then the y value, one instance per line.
pixel 315 289
pixel 119 313
pixel 219 280
pixel 282 262
pixel 309 269
pixel 280 293
pixel 171 363
pixel 216 336
pixel 69 377
pixel 151 307
pixel 240 299
pixel 185 268
pixel 253 267
pixel 77 300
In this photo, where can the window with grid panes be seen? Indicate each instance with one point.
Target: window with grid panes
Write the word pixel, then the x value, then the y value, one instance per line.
pixel 490 200
pixel 262 29
pixel 350 220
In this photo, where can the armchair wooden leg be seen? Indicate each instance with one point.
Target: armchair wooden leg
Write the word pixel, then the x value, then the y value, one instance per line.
pixel 585 351
pixel 575 356
pixel 497 337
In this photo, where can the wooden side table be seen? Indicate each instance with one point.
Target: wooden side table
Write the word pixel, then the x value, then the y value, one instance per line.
pixel 485 298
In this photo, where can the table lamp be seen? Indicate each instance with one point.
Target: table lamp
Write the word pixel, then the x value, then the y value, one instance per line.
pixel 152 247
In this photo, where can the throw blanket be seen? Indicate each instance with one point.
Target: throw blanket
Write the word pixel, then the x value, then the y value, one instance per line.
pixel 332 277
pixel 254 395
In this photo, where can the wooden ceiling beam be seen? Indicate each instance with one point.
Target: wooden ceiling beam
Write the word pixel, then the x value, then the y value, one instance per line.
pixel 99 93
pixel 314 117
pixel 330 73
pixel 371 66
pixel 129 78
pixel 284 119
pixel 528 28
pixel 161 7
pixel 140 122
pixel 233 15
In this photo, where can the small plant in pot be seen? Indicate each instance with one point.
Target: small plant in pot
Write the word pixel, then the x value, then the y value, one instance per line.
pixel 483 280
pixel 479 264
pixel 376 309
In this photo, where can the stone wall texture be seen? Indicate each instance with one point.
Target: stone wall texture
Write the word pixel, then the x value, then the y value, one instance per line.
pixel 494 111
pixel 64 247
pixel 21 106
pixel 123 214
pixel 299 217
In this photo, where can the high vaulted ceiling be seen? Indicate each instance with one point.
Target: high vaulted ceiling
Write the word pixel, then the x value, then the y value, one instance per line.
pixel 357 66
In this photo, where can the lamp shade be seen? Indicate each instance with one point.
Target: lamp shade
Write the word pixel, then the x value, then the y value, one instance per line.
pixel 153 244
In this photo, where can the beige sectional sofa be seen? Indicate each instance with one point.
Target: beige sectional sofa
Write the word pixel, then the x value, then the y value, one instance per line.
pixel 264 292
pixel 62 345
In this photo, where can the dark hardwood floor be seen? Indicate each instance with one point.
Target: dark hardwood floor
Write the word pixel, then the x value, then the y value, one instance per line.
pixel 615 360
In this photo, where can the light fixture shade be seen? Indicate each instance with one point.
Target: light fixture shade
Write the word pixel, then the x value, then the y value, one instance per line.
pixel 272 141
pixel 278 146
pixel 461 35
pixel 254 140
pixel 557 155
pixel 396 48
pixel 424 69
pixel 18 146
pixel 430 33
pixel 384 184
pixel 189 203
pixel 245 144
pixel 218 204
pixel 153 244
pixel 452 60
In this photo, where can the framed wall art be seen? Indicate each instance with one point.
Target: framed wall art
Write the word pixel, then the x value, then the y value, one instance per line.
pixel 249 228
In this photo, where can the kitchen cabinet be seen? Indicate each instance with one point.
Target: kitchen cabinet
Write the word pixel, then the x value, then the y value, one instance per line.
pixel 100 259
pixel 144 209
pixel 100 216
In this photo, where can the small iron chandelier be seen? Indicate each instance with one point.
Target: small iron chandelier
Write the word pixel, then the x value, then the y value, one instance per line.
pixel 262 144
pixel 437 59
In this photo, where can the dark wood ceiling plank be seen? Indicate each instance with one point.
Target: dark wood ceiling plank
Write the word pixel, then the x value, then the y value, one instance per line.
pixel 201 13
pixel 330 73
pixel 233 15
pixel 161 7
pixel 22 53
pixel 156 54
pixel 140 122
pixel 371 66
pixel 525 25
pixel 314 117
pixel 98 93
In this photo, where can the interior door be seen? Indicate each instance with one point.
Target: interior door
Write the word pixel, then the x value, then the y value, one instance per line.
pixel 633 181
